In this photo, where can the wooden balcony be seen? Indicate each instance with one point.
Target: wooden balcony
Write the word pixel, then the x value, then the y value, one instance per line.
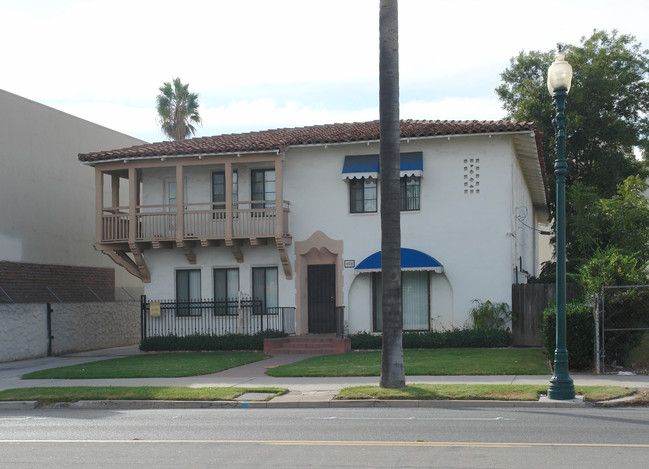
pixel 160 226
pixel 156 223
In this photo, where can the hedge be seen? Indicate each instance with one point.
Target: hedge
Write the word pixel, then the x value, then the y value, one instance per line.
pixel 453 338
pixel 209 342
pixel 580 328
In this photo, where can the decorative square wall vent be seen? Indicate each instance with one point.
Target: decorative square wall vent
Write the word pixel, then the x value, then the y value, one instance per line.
pixel 471 176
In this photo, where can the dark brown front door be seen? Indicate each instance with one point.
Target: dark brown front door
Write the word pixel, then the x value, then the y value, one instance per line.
pixel 322 298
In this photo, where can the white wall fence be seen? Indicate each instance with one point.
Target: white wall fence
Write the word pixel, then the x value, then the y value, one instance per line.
pixel 74 327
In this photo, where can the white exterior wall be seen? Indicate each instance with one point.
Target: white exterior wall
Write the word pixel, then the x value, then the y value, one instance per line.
pixel 476 237
pixel 48 197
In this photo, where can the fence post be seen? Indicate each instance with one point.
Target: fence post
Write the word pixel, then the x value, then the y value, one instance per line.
pixel 597 344
pixel 142 318
pixel 602 331
pixel 49 330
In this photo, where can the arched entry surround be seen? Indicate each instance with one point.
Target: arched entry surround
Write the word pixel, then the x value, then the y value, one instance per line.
pixel 318 249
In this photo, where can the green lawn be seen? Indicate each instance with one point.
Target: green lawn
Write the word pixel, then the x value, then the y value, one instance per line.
pixel 502 392
pixel 85 393
pixel 159 365
pixel 424 362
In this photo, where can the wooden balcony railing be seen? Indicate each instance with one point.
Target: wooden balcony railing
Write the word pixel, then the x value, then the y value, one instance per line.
pixel 200 221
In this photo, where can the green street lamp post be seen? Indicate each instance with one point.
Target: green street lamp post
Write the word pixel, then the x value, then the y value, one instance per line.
pixel 559 79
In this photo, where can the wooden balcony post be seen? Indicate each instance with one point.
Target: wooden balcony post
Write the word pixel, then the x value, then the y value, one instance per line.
pixel 114 187
pixel 228 201
pixel 99 204
pixel 180 204
pixel 279 195
pixel 132 201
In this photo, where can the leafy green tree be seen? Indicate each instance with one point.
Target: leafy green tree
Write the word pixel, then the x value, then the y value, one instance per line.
pixel 607 107
pixel 610 267
pixel 177 110
pixel 597 224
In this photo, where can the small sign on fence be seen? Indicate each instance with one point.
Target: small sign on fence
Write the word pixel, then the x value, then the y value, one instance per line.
pixel 154 309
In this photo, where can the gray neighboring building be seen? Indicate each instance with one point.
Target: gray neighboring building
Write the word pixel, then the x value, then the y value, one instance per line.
pixel 47 207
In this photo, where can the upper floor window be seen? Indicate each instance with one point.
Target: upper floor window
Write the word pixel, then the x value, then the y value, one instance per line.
pixel 362 195
pixel 409 193
pixel 262 187
pixel 362 171
pixel 218 188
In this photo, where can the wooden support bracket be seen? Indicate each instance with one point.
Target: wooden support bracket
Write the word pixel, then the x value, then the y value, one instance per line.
pixel 235 248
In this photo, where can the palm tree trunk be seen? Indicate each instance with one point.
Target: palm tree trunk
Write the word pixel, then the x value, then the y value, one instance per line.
pixel 392 373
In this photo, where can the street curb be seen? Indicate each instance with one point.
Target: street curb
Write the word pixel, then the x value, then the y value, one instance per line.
pixel 18 405
pixel 331 404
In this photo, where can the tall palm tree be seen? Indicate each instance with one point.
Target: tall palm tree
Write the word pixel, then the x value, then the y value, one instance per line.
pixel 392 373
pixel 177 110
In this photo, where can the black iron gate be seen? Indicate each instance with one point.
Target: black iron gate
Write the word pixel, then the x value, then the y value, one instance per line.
pixel 322 298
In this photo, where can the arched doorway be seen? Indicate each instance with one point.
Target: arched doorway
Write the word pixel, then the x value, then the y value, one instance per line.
pixel 319 283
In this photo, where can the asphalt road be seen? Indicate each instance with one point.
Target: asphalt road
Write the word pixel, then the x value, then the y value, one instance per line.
pixel 321 438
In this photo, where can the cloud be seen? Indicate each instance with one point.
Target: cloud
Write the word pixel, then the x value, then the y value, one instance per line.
pixel 455 108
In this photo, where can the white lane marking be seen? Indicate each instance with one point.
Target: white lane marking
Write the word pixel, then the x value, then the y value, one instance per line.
pixel 467 419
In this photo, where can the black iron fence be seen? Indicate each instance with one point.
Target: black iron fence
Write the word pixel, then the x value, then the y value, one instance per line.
pixel 213 317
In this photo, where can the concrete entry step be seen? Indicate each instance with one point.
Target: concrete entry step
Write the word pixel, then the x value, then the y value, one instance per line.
pixel 316 345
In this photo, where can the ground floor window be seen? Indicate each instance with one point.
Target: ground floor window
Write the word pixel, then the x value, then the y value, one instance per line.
pixel 226 291
pixel 264 286
pixel 188 288
pixel 415 301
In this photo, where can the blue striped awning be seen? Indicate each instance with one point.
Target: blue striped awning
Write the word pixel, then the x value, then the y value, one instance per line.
pixel 411 259
pixel 365 166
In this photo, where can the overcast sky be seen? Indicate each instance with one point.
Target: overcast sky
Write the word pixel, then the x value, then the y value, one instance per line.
pixel 261 64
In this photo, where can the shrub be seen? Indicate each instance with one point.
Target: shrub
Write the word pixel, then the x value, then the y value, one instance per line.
pixel 453 338
pixel 209 342
pixel 580 328
pixel 489 315
pixel 366 341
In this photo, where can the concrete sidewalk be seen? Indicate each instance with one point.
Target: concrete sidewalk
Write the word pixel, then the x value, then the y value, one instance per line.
pixel 303 392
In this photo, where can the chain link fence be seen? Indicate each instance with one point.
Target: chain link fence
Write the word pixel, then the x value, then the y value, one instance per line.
pixel 622 329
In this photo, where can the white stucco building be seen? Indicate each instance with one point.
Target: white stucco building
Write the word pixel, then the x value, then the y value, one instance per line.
pixel 291 217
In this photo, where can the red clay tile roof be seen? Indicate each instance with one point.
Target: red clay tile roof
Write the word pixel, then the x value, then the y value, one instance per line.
pixel 280 139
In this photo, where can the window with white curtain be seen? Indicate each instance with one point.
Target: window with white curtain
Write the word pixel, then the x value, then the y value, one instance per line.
pixel 264 286
pixel 263 187
pixel 415 301
pixel 226 290
pixel 188 288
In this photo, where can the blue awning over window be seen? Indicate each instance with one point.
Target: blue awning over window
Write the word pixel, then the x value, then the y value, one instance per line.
pixel 363 166
pixel 412 164
pixel 411 259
